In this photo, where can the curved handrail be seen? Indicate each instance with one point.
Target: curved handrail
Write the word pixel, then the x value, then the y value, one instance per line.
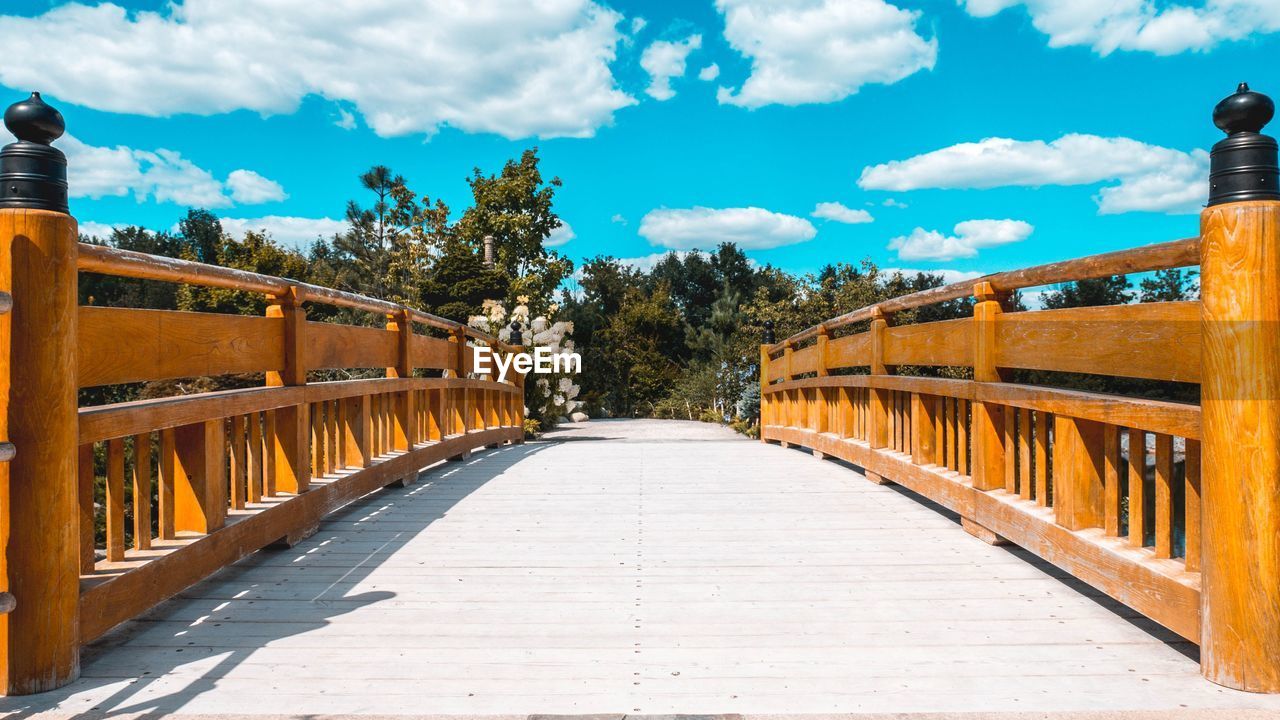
pixel 1161 256
pixel 129 263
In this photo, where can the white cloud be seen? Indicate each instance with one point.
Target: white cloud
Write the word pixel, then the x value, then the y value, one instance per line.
pixel 709 73
pixel 894 203
pixel 163 175
pixel 249 188
pixel 297 232
pixel 948 275
pixel 645 263
pixel 638 24
pixel 1163 29
pixel 1148 177
pixel 346 120
pixel 502 66
pixel 619 219
pixel 752 228
pixel 970 237
pixel 837 212
pixel 102 231
pixel 818 51
pixel 559 236
pixel 664 60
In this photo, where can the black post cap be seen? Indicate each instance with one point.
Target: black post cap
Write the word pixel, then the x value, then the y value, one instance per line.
pixel 33 174
pixel 1243 166
pixel 517 338
pixel 769 338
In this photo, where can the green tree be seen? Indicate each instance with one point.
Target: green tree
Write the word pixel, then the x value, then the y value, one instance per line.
pixel 1110 290
pixel 516 208
pixel 1169 285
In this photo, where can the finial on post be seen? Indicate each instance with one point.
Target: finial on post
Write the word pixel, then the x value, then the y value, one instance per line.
pixel 769 338
pixel 517 338
pixel 33 174
pixel 1243 166
pixel 488 251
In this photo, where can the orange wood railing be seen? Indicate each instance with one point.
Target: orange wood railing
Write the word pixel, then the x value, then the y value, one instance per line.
pixel 1107 487
pixel 234 470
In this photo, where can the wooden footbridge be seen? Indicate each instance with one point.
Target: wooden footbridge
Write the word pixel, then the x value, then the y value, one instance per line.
pixel 420 558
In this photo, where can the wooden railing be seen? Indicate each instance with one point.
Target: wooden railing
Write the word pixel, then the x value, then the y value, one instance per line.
pixel 1108 487
pixel 232 471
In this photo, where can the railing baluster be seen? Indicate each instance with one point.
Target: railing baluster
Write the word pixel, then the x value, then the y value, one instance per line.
pixel 239 464
pixel 115 500
pixel 1137 488
pixel 142 491
pixel 1111 480
pixel 1025 481
pixel 87 477
pixel 1192 505
pixel 255 458
pixel 168 475
pixel 1164 496
pixel 1042 458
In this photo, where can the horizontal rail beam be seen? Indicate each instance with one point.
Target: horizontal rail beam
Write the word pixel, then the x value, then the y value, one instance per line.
pixel 1162 256
pixel 128 263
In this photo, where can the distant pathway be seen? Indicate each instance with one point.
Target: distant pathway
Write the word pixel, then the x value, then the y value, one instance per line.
pixel 640 567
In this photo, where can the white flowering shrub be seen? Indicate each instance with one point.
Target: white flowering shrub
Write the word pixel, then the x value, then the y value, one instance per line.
pixel 549 397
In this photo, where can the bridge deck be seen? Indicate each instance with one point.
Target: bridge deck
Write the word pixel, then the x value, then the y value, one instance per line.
pixel 639 567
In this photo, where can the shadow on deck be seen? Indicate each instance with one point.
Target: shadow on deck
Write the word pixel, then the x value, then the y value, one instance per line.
pixel 639 567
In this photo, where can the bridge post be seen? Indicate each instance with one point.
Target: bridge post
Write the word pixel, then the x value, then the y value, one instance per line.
pixel 404 411
pixel 1240 477
pixel 291 436
pixel 878 420
pixel 39 510
pixel 821 397
pixel 988 418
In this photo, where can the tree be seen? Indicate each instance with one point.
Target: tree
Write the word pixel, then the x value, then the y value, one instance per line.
pixel 1111 290
pixel 516 208
pixel 201 235
pixel 1169 286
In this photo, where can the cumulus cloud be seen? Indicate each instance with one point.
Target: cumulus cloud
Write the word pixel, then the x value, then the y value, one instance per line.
pixel 508 67
pixel 819 51
pixel 752 228
pixel 102 231
pixel 837 212
pixel 162 175
pixel 1147 177
pixel 709 73
pixel 618 218
pixel 1163 29
pixel 297 232
pixel 559 236
pixel 250 188
pixel 664 60
pixel 948 275
pixel 970 237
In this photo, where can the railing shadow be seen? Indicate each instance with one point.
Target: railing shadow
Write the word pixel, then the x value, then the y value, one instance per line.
pixel 1119 609
pixel 229 623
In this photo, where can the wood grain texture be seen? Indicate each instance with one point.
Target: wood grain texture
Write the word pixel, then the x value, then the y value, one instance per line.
pixel 39 503
pixel 849 351
pixel 947 342
pixel 349 346
pixel 1156 341
pixel 430 352
pixel 1240 292
pixel 1078 472
pixel 121 345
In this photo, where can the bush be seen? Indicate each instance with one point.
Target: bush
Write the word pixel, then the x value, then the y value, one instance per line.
pixel 531 429
pixel 748 428
pixel 710 416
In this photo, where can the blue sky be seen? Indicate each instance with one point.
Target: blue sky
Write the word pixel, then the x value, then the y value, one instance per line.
pixel 969 136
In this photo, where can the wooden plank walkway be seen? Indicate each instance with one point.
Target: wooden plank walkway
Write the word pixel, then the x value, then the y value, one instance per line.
pixel 639 567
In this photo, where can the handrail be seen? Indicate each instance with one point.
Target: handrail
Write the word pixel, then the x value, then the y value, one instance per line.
pixel 129 263
pixel 1161 256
